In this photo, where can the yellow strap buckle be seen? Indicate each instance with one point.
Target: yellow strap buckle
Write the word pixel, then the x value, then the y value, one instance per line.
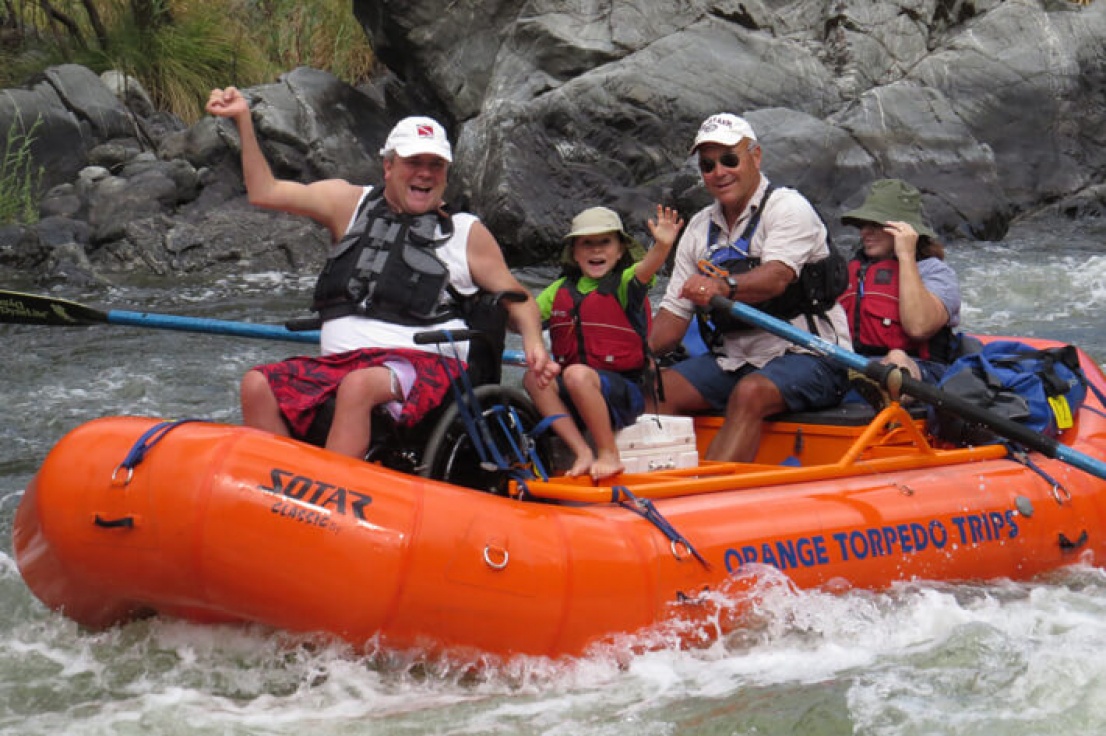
pixel 1062 411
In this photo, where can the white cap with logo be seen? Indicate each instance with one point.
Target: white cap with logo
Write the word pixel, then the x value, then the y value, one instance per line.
pixel 416 135
pixel 725 129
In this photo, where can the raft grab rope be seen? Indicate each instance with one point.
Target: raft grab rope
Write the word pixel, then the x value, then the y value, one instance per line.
pixel 136 455
pixel 143 445
pixel 645 508
pixel 1019 454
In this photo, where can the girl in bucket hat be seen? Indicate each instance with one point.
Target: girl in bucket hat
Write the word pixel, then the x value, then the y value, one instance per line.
pixel 903 300
pixel 598 316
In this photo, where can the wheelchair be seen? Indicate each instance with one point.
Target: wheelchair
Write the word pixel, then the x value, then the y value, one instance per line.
pixel 484 434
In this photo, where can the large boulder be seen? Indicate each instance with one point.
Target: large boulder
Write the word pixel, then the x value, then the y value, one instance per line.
pixel 1031 85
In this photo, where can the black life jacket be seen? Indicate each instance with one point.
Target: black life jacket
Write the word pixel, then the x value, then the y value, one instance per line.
pixel 813 293
pixel 385 268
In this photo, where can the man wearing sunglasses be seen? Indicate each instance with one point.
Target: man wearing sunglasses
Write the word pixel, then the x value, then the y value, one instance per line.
pixel 753 244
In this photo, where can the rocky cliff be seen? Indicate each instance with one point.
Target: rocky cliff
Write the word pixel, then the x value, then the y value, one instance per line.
pixel 992 108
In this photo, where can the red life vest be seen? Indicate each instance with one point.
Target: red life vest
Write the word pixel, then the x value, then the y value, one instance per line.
pixel 595 326
pixel 871 302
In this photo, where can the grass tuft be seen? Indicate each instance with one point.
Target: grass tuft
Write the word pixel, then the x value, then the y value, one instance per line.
pixel 20 178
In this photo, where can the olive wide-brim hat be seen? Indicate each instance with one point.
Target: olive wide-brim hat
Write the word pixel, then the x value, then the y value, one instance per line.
pixel 594 221
pixel 890 199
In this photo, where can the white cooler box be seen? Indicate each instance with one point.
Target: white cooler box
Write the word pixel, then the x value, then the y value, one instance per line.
pixel 658 443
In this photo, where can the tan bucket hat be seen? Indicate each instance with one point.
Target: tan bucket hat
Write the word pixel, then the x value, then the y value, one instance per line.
pixel 597 220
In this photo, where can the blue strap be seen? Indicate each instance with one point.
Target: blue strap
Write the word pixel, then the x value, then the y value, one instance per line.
pixel 1019 454
pixel 1092 409
pixel 645 508
pixel 149 438
pixel 539 429
pixel 521 444
pixel 463 394
pixel 740 247
pixel 486 435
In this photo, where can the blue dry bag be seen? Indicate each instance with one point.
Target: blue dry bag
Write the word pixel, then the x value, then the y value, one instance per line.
pixel 1040 388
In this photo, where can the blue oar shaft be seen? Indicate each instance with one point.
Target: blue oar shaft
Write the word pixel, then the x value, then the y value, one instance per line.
pixel 210 326
pixel 239 329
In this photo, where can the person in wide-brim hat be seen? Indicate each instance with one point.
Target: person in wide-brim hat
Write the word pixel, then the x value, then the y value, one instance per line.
pixel 904 300
pixel 596 221
pixel 598 316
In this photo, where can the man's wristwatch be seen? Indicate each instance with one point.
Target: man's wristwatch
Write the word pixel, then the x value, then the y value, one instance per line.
pixel 732 283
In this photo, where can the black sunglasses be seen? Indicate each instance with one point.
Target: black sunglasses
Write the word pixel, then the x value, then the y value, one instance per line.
pixel 729 159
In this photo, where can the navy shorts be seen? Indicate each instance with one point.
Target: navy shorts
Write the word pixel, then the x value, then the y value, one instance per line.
pixel 625 402
pixel 805 381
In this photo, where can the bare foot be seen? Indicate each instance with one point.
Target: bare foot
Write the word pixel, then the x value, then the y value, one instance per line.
pixel 582 465
pixel 606 466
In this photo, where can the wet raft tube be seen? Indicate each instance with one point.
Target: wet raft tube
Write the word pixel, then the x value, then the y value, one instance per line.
pixel 222 523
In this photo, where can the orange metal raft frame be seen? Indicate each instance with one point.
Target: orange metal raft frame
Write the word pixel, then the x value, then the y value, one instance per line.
pixel 892 442
pixel 223 523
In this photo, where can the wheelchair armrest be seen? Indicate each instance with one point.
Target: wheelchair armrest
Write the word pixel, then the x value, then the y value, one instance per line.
pixel 506 297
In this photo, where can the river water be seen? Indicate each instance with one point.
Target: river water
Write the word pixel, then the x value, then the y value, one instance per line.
pixel 1000 658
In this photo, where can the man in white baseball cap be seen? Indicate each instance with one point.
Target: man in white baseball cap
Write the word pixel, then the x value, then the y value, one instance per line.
pixel 416 135
pixel 369 315
pixel 725 129
pixel 762 245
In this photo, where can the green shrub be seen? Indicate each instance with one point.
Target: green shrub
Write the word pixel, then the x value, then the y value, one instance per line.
pixel 180 49
pixel 179 61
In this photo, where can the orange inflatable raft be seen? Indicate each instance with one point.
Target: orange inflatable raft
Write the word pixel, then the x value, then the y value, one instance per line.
pixel 224 523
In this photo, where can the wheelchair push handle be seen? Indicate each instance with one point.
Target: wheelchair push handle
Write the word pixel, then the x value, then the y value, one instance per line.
pixel 303 324
pixel 437 337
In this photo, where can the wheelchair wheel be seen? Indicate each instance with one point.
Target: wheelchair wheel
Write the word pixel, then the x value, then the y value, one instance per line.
pixel 451 455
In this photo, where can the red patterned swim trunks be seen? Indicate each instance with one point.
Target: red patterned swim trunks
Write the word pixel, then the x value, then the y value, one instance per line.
pixel 302 384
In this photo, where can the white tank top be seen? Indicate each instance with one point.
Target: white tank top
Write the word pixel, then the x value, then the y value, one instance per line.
pixel 355 332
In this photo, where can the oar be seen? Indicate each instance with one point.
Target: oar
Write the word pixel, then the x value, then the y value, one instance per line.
pixel 32 309
pixel 885 374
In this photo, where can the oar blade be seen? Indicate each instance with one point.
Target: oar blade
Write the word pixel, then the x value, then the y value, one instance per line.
pixel 17 308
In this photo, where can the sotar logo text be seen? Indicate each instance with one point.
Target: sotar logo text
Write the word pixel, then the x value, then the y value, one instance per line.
pixel 318 493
